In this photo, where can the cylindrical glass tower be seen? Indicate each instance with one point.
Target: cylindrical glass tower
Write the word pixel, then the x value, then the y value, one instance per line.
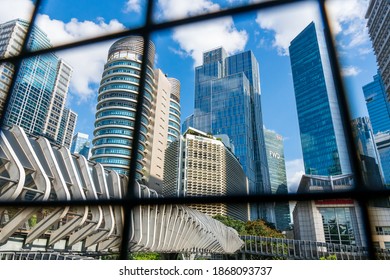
pixel 117 100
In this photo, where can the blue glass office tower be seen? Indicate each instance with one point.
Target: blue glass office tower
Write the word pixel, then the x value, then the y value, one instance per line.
pixel 322 135
pixel 117 100
pixel 277 173
pixel 377 104
pixel 379 111
pixel 227 101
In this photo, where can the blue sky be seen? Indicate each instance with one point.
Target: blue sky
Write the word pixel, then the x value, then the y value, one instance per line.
pixel 267 34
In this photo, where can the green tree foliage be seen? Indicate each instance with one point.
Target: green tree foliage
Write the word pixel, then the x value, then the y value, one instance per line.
pixel 330 257
pixel 257 228
pixel 144 256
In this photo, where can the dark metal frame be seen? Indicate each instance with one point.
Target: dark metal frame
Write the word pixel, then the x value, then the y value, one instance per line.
pixel 361 193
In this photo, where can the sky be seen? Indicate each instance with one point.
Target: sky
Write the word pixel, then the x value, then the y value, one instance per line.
pixel 267 33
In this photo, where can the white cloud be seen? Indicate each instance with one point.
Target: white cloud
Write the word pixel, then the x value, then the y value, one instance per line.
pixel 194 39
pixel 295 170
pixel 346 19
pixel 133 6
pixel 197 38
pixel 87 62
pixel 350 71
pixel 176 9
pixel 11 9
pixel 287 22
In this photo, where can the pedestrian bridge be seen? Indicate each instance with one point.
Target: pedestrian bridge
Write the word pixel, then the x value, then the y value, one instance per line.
pixel 31 169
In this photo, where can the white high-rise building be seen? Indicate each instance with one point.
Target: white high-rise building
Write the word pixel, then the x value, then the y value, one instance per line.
pixel 201 165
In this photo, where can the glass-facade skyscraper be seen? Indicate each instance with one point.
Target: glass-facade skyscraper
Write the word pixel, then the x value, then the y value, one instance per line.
pixel 227 101
pixel 367 152
pixel 322 135
pixel 37 102
pixel 277 173
pixel 117 100
pixel 378 105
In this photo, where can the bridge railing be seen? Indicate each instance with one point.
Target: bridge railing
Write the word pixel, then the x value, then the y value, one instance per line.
pixel 304 249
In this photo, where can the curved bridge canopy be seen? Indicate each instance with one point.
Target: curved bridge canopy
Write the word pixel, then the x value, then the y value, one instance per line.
pixel 33 169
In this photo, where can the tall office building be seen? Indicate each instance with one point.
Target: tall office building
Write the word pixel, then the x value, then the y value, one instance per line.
pixel 322 135
pixel 78 141
pixel 164 127
pixel 199 164
pixel 57 110
pixel 12 34
pixel 378 105
pixel 227 101
pixel 81 145
pixel 277 173
pixel 67 127
pixel 188 122
pixel 367 153
pixel 383 144
pixel 37 102
pixel 378 23
pixel 117 100
pixel 174 111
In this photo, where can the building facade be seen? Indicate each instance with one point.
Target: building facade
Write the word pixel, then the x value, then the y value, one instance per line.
pixel 378 105
pixel 174 111
pixel 227 101
pixel 378 23
pixel 78 141
pixel 322 135
pixel 201 165
pixel 277 173
pixel 380 226
pixel 383 144
pixel 157 136
pixel 67 127
pixel 37 102
pixel 367 153
pixel 334 221
pixel 117 100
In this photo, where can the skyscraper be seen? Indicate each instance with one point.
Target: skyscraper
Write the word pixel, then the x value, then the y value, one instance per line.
pixel 117 100
pixel 367 152
pixel 322 135
pixel 37 102
pixel 378 105
pixel 383 144
pixel 199 164
pixel 174 111
pixel 164 127
pixel 277 173
pixel 78 141
pixel 378 23
pixel 66 129
pixel 227 101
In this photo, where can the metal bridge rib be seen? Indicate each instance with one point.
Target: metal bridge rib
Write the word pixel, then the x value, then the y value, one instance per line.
pixel 32 169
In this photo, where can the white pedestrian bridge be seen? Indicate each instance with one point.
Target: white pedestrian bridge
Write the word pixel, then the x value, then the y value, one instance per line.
pixel 33 170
